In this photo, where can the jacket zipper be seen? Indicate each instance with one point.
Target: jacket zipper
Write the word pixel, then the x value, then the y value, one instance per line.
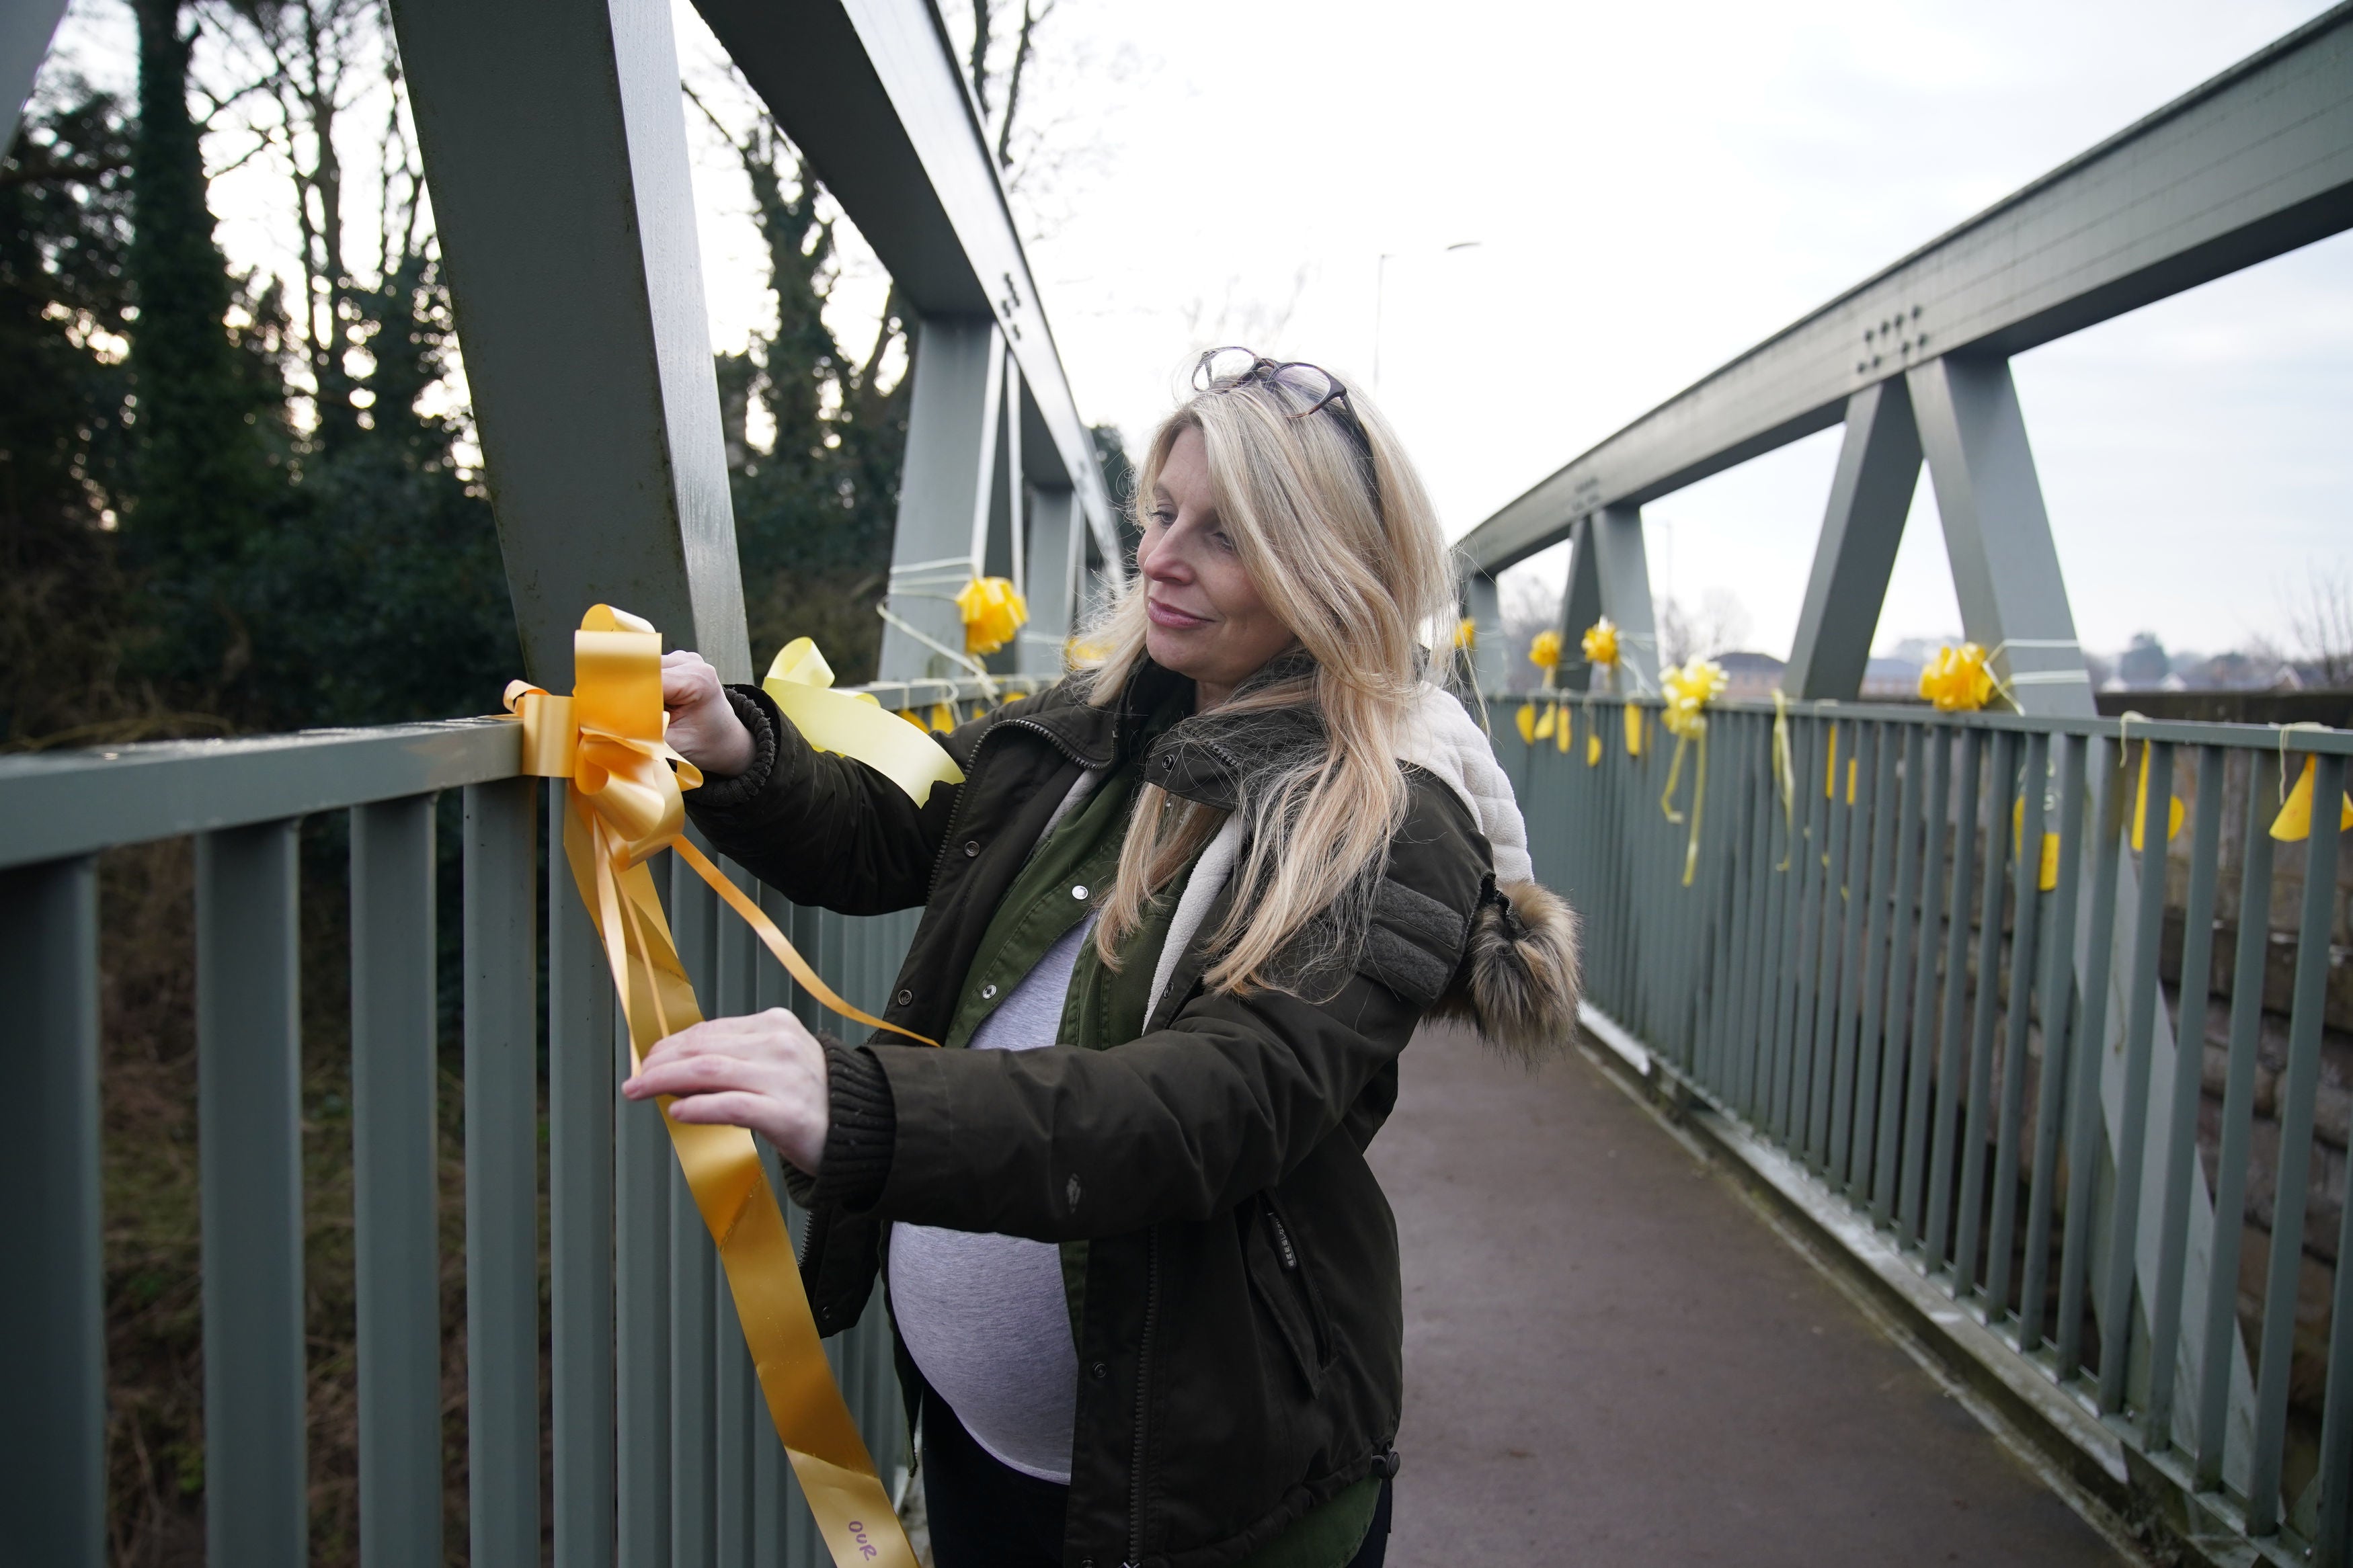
pixel 1282 1240
pixel 1143 1389
pixel 947 840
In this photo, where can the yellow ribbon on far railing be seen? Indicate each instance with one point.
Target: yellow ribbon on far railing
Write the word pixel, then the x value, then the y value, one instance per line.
pixel 1689 690
pixel 2293 822
pixel 1785 775
pixel 624 805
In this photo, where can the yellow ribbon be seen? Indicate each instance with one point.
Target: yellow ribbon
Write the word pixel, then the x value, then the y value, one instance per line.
pixel 1785 775
pixel 1466 634
pixel 1544 652
pixel 625 805
pixel 2293 822
pixel 801 684
pixel 1633 730
pixel 2047 874
pixel 993 610
pixel 1600 643
pixel 1689 690
pixel 2140 806
pixel 1957 680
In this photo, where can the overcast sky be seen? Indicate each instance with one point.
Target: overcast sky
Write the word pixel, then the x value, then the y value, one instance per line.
pixel 1652 189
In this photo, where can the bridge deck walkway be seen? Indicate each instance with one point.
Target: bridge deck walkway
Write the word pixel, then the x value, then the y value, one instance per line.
pixel 1611 1357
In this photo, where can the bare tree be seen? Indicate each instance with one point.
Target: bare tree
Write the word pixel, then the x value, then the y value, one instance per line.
pixel 1719 625
pixel 2318 609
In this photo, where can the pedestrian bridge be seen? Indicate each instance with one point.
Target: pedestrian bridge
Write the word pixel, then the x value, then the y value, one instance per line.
pixel 1953 1164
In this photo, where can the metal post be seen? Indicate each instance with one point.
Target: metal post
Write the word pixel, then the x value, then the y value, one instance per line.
pixel 1580 606
pixel 52 1309
pixel 249 1132
pixel 1622 570
pixel 1483 605
pixel 1997 535
pixel 26 30
pixel 1878 469
pixel 943 490
pixel 1056 547
pixel 395 1142
pixel 555 143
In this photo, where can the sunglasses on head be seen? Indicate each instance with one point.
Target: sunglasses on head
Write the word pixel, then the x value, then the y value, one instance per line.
pixel 1229 369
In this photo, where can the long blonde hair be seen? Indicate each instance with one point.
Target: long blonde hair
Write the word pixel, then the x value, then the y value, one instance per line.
pixel 1333 525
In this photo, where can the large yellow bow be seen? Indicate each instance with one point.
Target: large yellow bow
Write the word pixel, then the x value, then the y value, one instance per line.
pixel 1957 680
pixel 625 805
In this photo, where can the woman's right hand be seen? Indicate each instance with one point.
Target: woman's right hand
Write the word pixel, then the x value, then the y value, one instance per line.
pixel 703 728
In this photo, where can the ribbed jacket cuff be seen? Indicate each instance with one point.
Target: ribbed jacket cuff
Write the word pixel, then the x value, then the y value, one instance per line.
pixel 864 1125
pixel 751 705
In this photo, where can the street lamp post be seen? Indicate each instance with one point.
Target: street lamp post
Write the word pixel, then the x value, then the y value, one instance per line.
pixel 1380 294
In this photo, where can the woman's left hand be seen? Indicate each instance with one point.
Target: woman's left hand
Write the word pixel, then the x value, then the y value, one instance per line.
pixel 765 1072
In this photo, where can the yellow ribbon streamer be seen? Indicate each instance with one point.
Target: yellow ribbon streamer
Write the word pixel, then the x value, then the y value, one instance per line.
pixel 2140 806
pixel 993 610
pixel 1785 775
pixel 1689 690
pixel 2293 822
pixel 2047 874
pixel 801 684
pixel 1633 730
pixel 625 805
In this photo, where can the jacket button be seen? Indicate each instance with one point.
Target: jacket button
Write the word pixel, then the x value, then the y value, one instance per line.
pixel 1099 1372
pixel 905 998
pixel 1080 893
pixel 971 848
pixel 988 992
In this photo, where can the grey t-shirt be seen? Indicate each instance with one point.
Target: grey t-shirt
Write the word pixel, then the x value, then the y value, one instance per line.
pixel 984 1315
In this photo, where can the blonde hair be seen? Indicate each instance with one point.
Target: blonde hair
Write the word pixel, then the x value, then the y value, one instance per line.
pixel 1337 535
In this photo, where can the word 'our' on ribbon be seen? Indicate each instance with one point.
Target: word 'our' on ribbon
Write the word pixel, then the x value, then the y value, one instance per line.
pixel 624 805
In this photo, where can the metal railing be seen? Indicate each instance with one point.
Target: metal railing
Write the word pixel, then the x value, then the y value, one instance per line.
pixel 1867 975
pixel 661 1450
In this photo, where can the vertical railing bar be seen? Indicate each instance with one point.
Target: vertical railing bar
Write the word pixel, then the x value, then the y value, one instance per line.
pixel 250 1113
pixel 52 1336
pixel 643 1171
pixel 2231 1162
pixel 395 1219
pixel 738 1405
pixel 2050 1088
pixel 2179 1150
pixel 2140 1015
pixel 2299 1091
pixel 1807 864
pixel 1824 925
pixel 580 1174
pixel 2001 773
pixel 1869 1026
pixel 1907 933
pixel 1780 950
pixel 1918 1098
pixel 2332 1543
pixel 501 1171
pixel 2091 1042
pixel 1950 1043
pixel 1854 909
pixel 693 1285
pixel 2026 901
pixel 771 988
pixel 1748 1037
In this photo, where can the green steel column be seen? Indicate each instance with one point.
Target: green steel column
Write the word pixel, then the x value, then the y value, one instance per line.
pixel 395 1196
pixel 953 410
pixel 1871 495
pixel 52 1301
pixel 249 1128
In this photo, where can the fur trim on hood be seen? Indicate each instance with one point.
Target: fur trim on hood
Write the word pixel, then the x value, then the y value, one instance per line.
pixel 1519 982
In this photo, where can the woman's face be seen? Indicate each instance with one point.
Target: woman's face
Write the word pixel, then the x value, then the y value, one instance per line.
pixel 1205 617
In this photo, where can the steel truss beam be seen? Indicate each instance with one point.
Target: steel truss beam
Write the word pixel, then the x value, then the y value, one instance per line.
pixel 2256 162
pixel 870 92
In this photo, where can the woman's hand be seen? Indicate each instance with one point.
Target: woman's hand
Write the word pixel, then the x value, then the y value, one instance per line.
pixel 703 728
pixel 765 1072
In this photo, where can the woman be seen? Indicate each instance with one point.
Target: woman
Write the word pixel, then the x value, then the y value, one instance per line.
pixel 1180 919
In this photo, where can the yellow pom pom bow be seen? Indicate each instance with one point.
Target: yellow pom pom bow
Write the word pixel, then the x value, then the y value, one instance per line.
pixel 1466 634
pixel 1545 652
pixel 1957 680
pixel 993 610
pixel 1689 689
pixel 1600 642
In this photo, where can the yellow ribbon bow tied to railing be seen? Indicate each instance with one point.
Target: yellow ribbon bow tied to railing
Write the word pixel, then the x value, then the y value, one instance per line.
pixel 800 683
pixel 993 610
pixel 1689 690
pixel 624 803
pixel 1958 679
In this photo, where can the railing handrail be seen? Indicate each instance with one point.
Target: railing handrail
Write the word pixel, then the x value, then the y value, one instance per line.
pixel 2179 731
pixel 66 803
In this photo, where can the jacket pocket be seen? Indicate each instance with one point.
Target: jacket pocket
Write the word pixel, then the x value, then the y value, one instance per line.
pixel 1285 1290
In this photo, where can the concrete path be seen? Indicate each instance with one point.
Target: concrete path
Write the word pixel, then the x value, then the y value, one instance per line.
pixel 1610 1358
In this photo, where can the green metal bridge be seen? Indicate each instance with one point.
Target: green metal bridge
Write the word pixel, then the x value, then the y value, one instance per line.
pixel 2060 1090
